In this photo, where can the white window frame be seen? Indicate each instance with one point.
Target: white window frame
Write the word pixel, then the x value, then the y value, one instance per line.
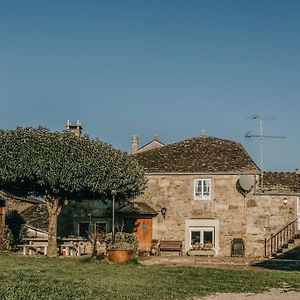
pixel 103 222
pixel 202 223
pixel 202 196
pixel 201 229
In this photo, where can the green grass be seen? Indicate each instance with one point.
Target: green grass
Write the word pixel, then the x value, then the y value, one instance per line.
pixel 67 278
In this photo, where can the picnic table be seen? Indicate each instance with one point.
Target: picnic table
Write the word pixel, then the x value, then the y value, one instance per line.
pixel 67 246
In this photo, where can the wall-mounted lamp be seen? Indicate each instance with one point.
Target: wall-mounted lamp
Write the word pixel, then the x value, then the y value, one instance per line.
pixel 163 212
pixel 285 201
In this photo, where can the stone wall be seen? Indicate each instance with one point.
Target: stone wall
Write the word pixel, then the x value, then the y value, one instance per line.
pixel 253 218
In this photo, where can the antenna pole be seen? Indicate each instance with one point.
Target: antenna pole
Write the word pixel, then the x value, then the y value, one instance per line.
pixel 261 141
pixel 261 138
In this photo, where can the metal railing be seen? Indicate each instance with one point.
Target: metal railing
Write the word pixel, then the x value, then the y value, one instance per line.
pixel 281 239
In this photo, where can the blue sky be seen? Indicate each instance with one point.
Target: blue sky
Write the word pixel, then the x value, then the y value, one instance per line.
pixel 166 68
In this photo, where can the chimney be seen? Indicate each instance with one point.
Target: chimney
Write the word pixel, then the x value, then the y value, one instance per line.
pixel 203 134
pixel 75 129
pixel 134 144
pixel 155 138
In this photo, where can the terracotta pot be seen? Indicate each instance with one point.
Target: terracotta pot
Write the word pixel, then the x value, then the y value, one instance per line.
pixel 120 255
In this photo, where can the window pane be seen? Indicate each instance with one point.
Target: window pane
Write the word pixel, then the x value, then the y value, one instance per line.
pixel 195 237
pixel 198 188
pixel 84 230
pixel 208 237
pixel 206 187
pixel 100 227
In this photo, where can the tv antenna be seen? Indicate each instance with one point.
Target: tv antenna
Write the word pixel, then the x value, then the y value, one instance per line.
pixel 261 137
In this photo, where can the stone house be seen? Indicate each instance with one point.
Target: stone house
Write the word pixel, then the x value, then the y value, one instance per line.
pixel 196 188
pixel 195 193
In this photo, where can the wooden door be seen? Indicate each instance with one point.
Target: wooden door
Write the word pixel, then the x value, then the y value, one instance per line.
pixel 143 232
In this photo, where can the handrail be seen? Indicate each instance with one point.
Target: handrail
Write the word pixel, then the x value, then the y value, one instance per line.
pixel 281 238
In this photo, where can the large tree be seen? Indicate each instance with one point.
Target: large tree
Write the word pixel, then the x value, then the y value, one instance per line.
pixel 59 166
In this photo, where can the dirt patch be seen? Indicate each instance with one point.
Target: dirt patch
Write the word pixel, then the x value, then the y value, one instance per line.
pixel 273 294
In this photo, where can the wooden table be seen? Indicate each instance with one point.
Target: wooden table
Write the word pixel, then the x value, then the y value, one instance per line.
pixel 67 246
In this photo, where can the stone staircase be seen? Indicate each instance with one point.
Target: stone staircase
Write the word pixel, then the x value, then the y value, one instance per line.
pixel 284 241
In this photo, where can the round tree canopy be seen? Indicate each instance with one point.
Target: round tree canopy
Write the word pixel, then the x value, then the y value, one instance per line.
pixel 62 166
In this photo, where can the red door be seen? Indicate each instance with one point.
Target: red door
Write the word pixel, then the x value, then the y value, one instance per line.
pixel 143 232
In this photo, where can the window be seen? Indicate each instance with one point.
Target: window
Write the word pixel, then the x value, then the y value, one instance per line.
pixel 83 229
pixel 100 227
pixel 202 237
pixel 202 189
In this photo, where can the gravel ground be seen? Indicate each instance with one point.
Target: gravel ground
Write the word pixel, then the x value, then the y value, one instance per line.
pixel 273 294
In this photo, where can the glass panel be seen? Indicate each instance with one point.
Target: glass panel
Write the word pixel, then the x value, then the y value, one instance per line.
pixel 100 227
pixel 198 188
pixel 208 237
pixel 195 237
pixel 206 188
pixel 84 230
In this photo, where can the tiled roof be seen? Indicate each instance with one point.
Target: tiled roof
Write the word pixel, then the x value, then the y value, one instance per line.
pixel 198 155
pixel 138 208
pixel 30 199
pixel 37 216
pixel 280 182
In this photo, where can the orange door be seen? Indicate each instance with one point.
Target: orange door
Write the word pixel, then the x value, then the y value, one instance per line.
pixel 143 232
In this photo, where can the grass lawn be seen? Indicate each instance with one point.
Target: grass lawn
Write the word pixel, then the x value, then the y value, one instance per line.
pixel 67 278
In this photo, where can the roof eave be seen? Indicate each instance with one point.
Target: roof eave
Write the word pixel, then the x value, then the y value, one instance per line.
pixel 203 173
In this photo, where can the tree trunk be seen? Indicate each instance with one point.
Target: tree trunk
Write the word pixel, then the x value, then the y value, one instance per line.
pixel 54 208
pixel 2 213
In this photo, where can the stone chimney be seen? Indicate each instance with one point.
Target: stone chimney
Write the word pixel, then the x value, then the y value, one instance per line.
pixel 134 144
pixel 203 134
pixel 155 138
pixel 75 129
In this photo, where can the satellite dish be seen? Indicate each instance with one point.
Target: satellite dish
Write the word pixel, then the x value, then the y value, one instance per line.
pixel 246 182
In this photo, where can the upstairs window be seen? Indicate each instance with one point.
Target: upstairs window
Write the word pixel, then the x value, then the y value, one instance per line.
pixel 202 189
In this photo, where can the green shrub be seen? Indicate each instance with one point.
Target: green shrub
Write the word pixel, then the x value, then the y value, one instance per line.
pixel 15 221
pixel 123 240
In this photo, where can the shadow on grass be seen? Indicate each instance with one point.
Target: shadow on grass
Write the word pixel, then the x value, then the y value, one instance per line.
pixel 289 261
pixel 105 260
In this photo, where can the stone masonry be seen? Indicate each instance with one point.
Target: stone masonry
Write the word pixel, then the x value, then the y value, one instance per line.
pixel 252 218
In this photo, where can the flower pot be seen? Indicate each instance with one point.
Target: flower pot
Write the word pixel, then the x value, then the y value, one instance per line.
pixel 120 255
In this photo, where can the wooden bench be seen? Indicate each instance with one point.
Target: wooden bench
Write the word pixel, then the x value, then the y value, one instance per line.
pixel 170 246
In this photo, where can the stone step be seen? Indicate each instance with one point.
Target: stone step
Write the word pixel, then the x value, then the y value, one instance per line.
pixel 284 250
pixel 297 242
pixel 291 246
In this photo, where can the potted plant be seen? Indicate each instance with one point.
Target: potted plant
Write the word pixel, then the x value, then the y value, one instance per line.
pixel 123 248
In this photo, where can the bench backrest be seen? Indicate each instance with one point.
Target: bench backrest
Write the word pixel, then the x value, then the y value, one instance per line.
pixel 170 244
